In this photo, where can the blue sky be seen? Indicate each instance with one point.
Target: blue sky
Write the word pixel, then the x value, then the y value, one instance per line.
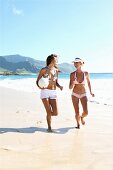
pixel 69 28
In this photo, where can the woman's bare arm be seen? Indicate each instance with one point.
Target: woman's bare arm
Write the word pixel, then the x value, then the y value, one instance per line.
pixel 71 83
pixel 88 82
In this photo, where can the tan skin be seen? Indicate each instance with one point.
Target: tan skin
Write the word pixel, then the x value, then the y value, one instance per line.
pixel 50 104
pixel 79 89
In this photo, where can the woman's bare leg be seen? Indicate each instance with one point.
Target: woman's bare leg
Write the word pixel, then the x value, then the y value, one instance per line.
pixel 53 104
pixel 75 102
pixel 48 111
pixel 85 109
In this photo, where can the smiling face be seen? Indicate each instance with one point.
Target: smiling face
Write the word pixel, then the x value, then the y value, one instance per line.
pixel 77 64
pixel 56 62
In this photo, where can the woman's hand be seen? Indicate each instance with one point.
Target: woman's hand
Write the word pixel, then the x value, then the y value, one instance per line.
pixel 92 94
pixel 61 87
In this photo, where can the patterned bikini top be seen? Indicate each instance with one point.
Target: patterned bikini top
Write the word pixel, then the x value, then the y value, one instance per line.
pixel 51 75
pixel 77 82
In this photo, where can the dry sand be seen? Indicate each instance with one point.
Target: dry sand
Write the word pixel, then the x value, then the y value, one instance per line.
pixel 26 145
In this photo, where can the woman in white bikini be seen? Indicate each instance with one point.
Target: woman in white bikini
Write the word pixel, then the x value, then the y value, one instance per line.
pixel 48 95
pixel 77 83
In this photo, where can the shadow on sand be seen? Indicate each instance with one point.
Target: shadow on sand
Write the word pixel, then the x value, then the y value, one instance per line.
pixel 35 129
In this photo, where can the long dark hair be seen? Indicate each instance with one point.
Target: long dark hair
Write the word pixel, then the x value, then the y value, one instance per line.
pixel 50 58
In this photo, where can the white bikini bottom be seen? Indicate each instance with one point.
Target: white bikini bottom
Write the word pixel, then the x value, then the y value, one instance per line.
pixel 79 96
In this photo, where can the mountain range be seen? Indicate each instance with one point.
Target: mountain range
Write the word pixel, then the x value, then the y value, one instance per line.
pixel 17 64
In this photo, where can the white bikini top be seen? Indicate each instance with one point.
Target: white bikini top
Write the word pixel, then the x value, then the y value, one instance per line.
pixel 77 82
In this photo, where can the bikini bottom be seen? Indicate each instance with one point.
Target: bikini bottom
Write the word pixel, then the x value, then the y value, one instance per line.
pixel 79 96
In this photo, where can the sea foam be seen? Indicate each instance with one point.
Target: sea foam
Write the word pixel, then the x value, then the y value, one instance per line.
pixel 102 88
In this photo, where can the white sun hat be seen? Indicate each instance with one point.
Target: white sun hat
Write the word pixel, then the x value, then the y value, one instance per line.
pixel 78 60
pixel 43 82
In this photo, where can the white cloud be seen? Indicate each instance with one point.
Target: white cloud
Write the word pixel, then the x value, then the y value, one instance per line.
pixel 17 11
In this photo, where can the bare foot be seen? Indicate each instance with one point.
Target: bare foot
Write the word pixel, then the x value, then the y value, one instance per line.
pixel 77 127
pixel 50 131
pixel 82 121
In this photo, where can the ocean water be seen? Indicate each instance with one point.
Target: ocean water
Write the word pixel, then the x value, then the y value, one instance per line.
pixel 102 86
pixel 61 76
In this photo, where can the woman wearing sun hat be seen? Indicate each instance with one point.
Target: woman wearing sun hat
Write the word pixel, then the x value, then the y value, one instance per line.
pixel 77 83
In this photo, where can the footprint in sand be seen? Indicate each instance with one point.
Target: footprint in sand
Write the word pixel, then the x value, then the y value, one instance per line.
pixel 18 148
pixel 38 122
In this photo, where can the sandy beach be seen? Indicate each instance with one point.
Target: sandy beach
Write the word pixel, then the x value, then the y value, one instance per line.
pixel 26 145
